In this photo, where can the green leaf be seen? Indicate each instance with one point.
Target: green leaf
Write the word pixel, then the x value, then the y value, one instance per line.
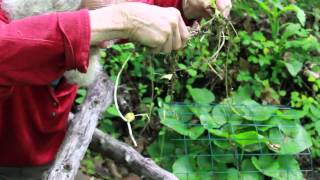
pixel 249 172
pixel 317 126
pixel 258 36
pixel 205 173
pixel 315 111
pixel 291 167
pixel 248 138
pixel 204 162
pixel 264 7
pixel 285 167
pixel 177 118
pixel 299 13
pixel 202 96
pixel 82 95
pixel 233 174
pixel 182 66
pixel 246 39
pixel 266 165
pixel 223 113
pixel 184 168
pixel 292 138
pixel 222 132
pixel 223 156
pixel 111 111
pixel 290 30
pixel 160 147
pixel 192 72
pixel 301 16
pixel 243 93
pixel 202 112
pixel 291 114
pixel 294 67
pixel 209 120
pixel 219 115
pixel 253 111
pixel 222 144
pixel 307 44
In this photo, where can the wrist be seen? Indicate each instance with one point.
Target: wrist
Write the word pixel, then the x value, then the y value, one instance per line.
pixel 93 4
pixel 107 24
pixel 96 4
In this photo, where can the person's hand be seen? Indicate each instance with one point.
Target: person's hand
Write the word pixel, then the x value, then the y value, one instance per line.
pixel 162 29
pixel 224 6
pixel 196 9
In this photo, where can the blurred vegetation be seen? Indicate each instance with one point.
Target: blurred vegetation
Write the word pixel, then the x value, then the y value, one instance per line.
pixel 272 59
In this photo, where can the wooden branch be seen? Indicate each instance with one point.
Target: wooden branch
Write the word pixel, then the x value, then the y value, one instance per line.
pixel 125 154
pixel 80 131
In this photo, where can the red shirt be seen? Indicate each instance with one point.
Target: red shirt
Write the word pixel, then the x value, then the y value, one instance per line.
pixel 34 52
pixel 162 3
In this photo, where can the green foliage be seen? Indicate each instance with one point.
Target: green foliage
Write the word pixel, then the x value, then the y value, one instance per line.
pixel 270 166
pixel 88 162
pixel 267 64
pixel 81 95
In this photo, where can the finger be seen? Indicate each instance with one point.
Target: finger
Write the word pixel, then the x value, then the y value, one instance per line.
pixel 226 13
pixel 103 44
pixel 176 40
pixel 208 12
pixel 207 9
pixel 167 48
pixel 184 33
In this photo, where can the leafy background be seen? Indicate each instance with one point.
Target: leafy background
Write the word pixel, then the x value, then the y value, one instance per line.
pixel 272 60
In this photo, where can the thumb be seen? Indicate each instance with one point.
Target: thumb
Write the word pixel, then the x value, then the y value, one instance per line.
pixel 224 7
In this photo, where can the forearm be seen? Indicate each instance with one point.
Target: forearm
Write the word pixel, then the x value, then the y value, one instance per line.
pixel 39 49
pixel 113 27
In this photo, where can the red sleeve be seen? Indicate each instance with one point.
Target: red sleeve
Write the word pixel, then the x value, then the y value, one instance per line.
pixel 162 3
pixel 143 1
pixel 165 3
pixel 39 49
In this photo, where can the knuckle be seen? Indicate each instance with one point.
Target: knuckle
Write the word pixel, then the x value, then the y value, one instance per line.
pixel 188 35
pixel 175 11
pixel 160 40
pixel 173 23
pixel 167 31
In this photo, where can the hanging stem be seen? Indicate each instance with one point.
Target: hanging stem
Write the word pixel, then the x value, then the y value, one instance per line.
pixel 115 94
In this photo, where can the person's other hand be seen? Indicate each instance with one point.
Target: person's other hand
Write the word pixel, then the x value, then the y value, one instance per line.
pixel 162 29
pixel 224 6
pixel 196 9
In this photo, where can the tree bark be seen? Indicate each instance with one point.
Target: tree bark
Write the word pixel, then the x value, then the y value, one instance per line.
pixel 79 135
pixel 80 131
pixel 123 153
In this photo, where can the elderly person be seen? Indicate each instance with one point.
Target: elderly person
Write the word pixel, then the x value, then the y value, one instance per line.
pixel 42 40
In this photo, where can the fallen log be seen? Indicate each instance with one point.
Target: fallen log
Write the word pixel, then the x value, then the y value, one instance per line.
pixel 133 160
pixel 81 130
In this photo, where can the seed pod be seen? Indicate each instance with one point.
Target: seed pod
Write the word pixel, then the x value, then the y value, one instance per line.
pixel 130 117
